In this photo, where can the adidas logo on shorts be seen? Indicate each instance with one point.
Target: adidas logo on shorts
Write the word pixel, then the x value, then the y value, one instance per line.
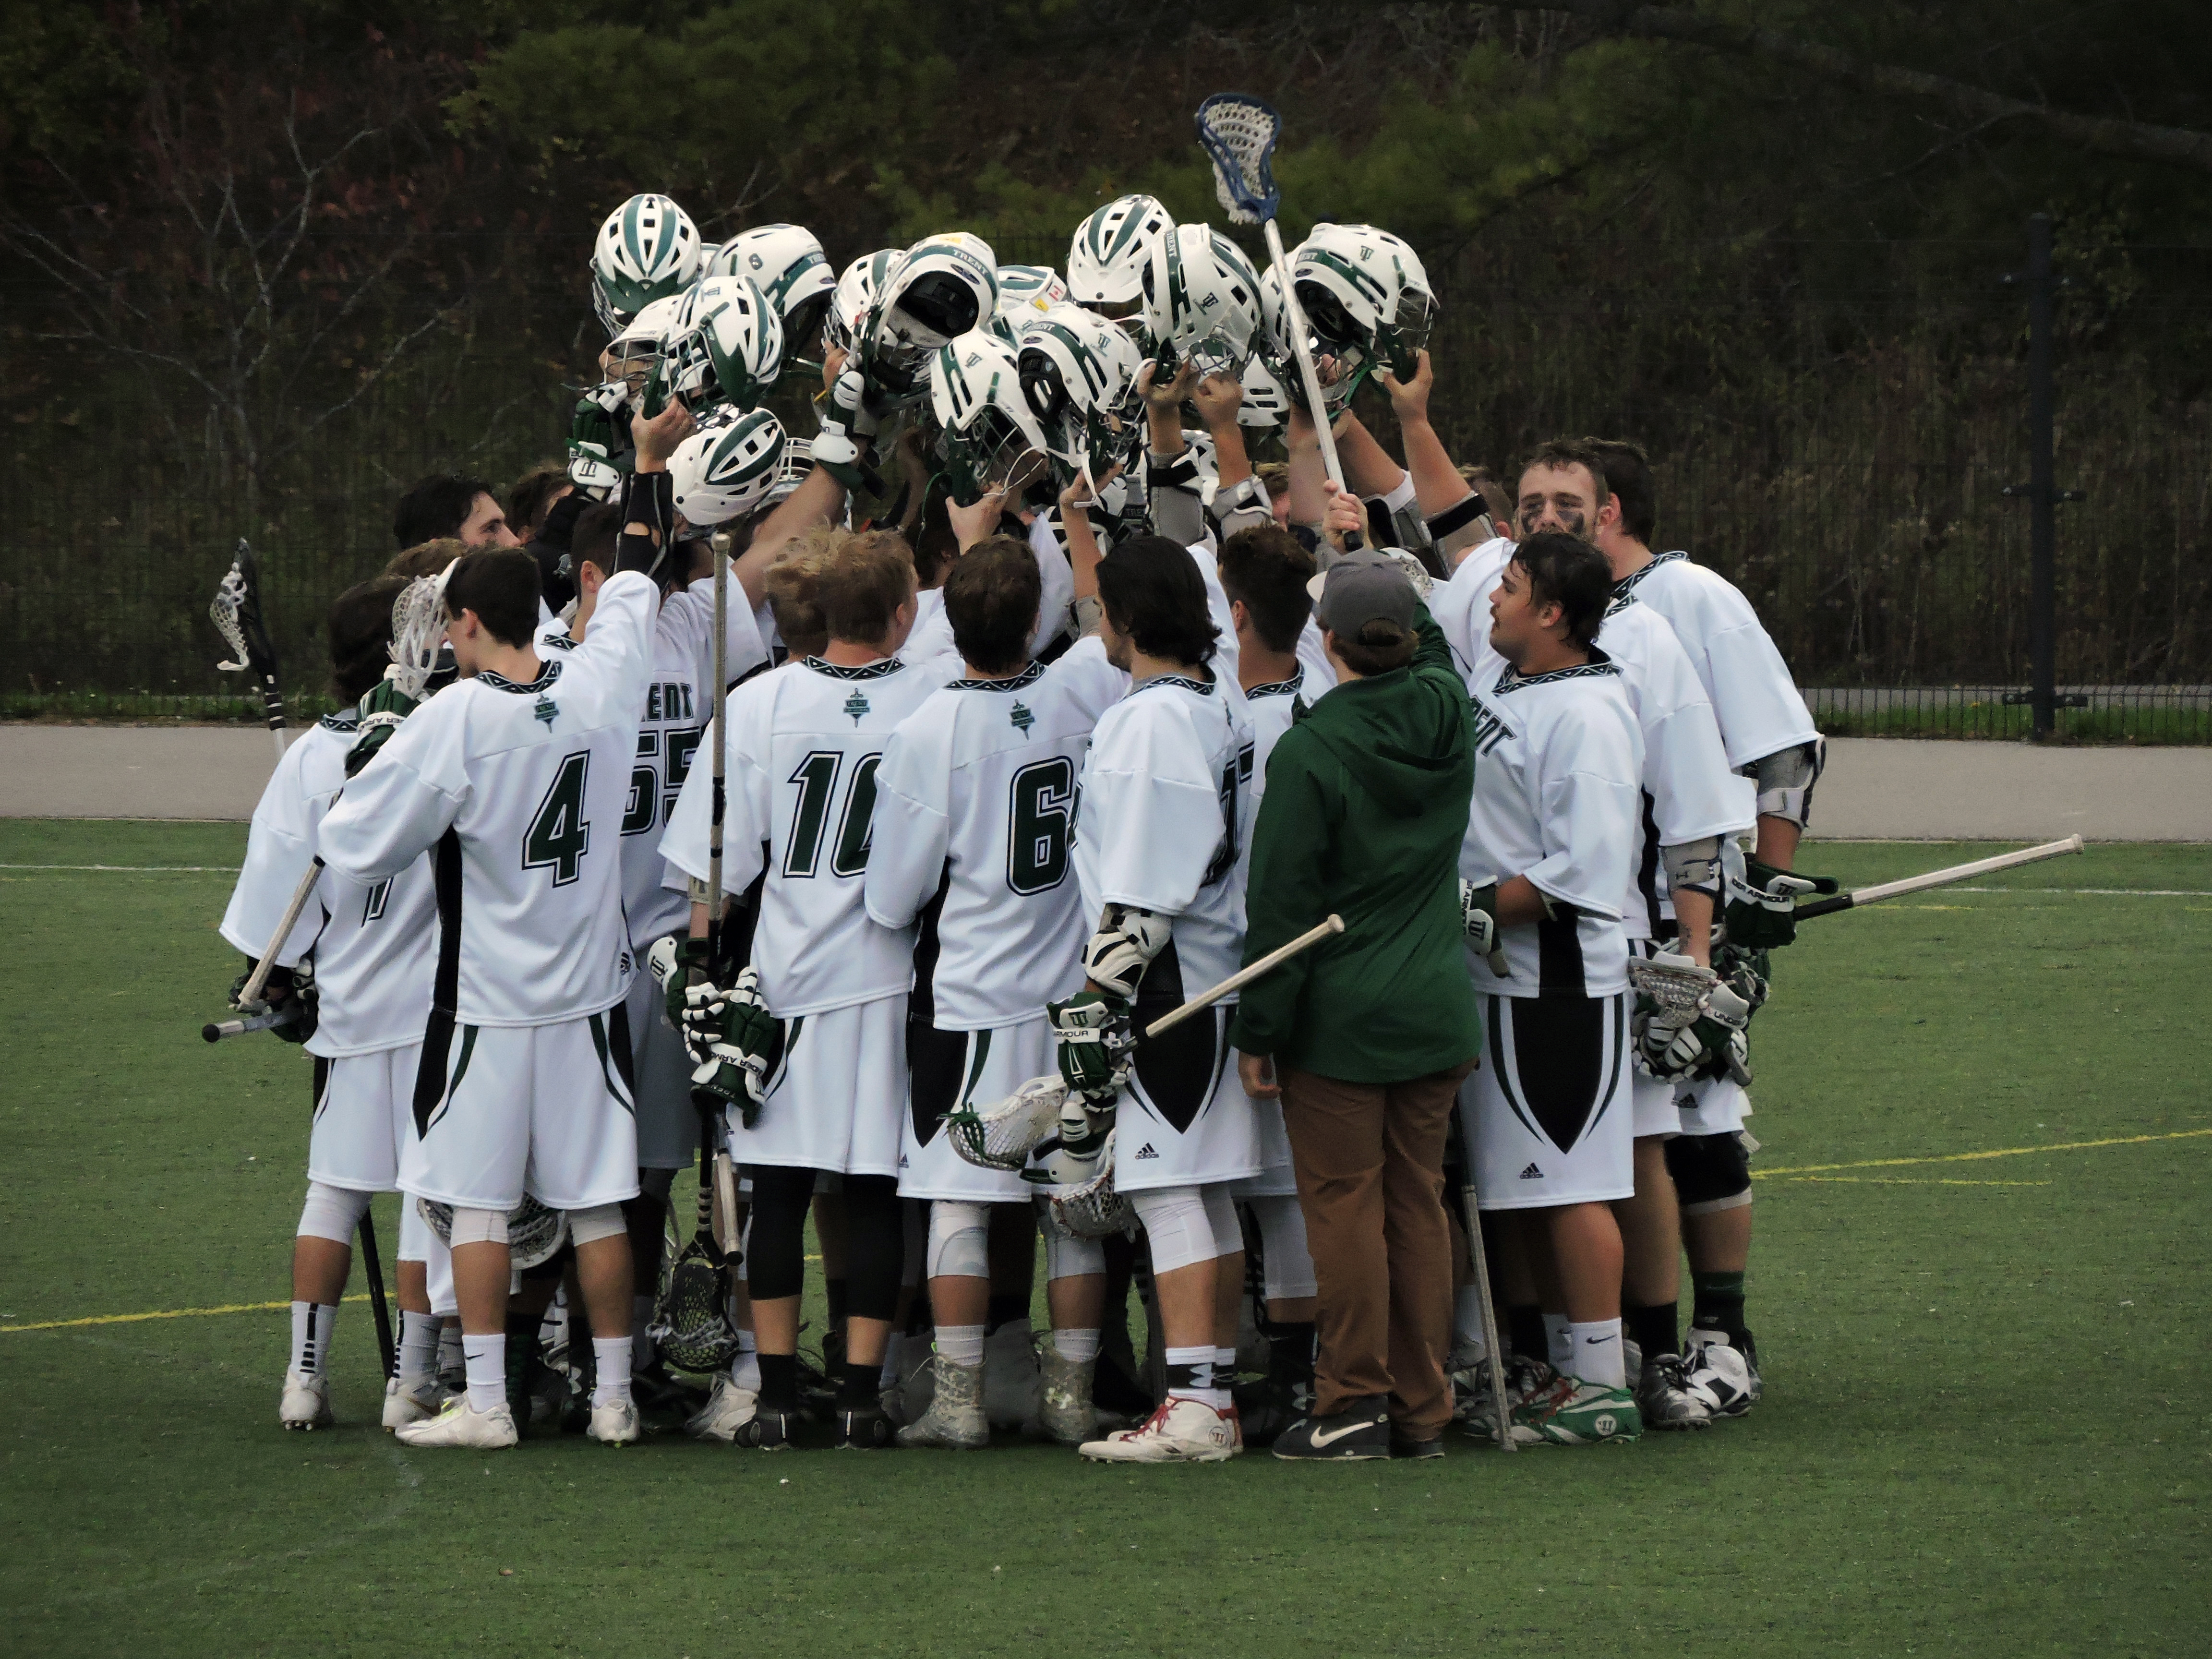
pixel 1145 1150
pixel 1532 1173
pixel 902 1160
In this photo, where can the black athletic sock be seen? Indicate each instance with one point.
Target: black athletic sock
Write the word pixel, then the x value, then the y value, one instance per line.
pixel 1718 1304
pixel 833 1291
pixel 861 1385
pixel 1004 1310
pixel 1653 1330
pixel 1524 1332
pixel 779 1383
pixel 1291 1349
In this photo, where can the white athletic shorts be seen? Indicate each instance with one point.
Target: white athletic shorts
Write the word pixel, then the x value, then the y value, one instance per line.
pixel 1185 1121
pixel 1717 1106
pixel 502 1109
pixel 1549 1113
pixel 1655 1109
pixel 1276 1178
pixel 837 1097
pixel 667 1123
pixel 364 1118
pixel 956 1069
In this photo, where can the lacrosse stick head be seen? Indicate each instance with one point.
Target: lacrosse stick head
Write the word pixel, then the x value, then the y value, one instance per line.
pixel 1002 1136
pixel 534 1233
pixel 690 1326
pixel 418 633
pixel 1095 1210
pixel 1672 982
pixel 1238 133
pixel 235 611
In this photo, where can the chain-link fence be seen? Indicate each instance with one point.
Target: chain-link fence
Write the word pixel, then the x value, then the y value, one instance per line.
pixel 1839 450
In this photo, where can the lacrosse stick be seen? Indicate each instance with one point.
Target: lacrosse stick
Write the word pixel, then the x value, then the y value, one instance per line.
pixel 216 1030
pixel 236 612
pixel 371 1269
pixel 725 1176
pixel 1244 976
pixel 1493 1358
pixel 535 1234
pixel 1238 133
pixel 1943 877
pixel 1679 985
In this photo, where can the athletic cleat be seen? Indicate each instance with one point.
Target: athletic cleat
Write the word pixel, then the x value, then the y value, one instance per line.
pixel 909 1399
pixel 406 1402
pixel 768 1430
pixel 614 1423
pixel 1010 1376
pixel 1664 1396
pixel 1065 1412
pixel 461 1425
pixel 1589 1415
pixel 957 1420
pixel 1722 1376
pixel 1179 1432
pixel 866 1428
pixel 1529 1383
pixel 1273 1403
pixel 727 1410
pixel 1404 1447
pixel 307 1402
pixel 1359 1435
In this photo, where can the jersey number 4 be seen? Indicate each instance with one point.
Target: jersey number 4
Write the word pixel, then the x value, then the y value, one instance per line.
pixel 559 835
pixel 1042 820
pixel 816 778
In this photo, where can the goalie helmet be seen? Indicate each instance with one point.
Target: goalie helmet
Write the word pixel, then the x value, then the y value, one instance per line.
pixel 942 287
pixel 734 349
pixel 990 438
pixel 649 249
pixel 1202 299
pixel 1108 256
pixel 786 262
pixel 726 470
pixel 855 292
pixel 1365 294
pixel 1078 375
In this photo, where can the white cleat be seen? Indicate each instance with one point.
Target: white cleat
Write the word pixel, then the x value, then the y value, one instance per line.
pixel 615 1424
pixel 729 1409
pixel 406 1401
pixel 956 1419
pixel 1664 1396
pixel 461 1425
pixel 307 1402
pixel 1011 1383
pixel 1179 1432
pixel 1724 1378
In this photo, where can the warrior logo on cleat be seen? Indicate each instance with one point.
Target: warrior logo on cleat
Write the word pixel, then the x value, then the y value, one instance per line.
pixel 1603 1423
pixel 1532 1173
pixel 856 705
pixel 1145 1150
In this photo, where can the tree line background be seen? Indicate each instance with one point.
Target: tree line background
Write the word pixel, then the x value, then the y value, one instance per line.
pixel 267 265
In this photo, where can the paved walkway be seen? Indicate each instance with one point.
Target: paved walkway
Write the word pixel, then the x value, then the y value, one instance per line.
pixel 1874 789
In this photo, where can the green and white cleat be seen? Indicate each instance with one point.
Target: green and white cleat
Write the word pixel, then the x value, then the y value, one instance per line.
pixel 307 1402
pixel 415 1401
pixel 461 1425
pixel 1591 1415
pixel 956 1420
pixel 1531 1385
pixel 615 1423
pixel 729 1409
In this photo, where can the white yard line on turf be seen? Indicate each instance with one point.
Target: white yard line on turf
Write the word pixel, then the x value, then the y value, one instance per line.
pixel 136 869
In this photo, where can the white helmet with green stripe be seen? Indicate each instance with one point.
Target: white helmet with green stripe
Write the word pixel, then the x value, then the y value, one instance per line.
pixel 1078 375
pixel 1365 297
pixel 726 470
pixel 855 292
pixel 786 262
pixel 990 438
pixel 942 287
pixel 1024 291
pixel 1202 300
pixel 647 250
pixel 734 349
pixel 1107 260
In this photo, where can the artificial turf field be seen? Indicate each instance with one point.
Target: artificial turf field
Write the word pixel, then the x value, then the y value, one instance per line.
pixel 1986 1426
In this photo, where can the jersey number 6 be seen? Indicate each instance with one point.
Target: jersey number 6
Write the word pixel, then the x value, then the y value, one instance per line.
pixel 1043 800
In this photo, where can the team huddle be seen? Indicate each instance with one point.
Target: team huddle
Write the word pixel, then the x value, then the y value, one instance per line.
pixel 871 818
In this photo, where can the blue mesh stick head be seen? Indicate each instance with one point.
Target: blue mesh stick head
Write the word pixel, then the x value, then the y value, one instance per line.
pixel 1239 132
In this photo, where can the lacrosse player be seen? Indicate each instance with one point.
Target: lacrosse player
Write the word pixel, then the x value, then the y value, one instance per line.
pixel 357 964
pixel 1769 736
pixel 1155 860
pixel 525 1076
pixel 1549 1121
pixel 974 810
pixel 448 504
pixel 809 1043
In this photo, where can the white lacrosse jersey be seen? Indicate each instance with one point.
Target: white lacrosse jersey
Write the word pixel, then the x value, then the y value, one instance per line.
pixel 807 743
pixel 932 628
pixel 1320 672
pixel 1269 708
pixel 373 945
pixel 974 818
pixel 1164 816
pixel 1747 682
pixel 1558 771
pixel 518 792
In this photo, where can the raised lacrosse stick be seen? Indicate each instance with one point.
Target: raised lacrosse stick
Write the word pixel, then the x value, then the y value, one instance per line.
pixel 1238 133
pixel 724 1173
pixel 236 612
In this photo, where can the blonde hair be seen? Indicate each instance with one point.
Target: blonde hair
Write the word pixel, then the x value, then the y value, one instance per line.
pixel 866 575
pixel 426 558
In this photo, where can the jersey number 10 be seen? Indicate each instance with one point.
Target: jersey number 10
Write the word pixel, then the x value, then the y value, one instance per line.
pixel 816 778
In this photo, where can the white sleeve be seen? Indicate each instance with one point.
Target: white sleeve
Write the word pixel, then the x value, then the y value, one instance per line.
pixel 1685 770
pixel 1759 708
pixel 279 846
pixel 745 813
pixel 1055 609
pixel 403 799
pixel 1587 802
pixel 685 630
pixel 913 826
pixel 1154 813
pixel 619 639
pixel 1460 607
pixel 1313 656
pixel 1217 607
pixel 1093 683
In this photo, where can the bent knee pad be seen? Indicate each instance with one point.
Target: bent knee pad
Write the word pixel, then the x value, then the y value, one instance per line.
pixel 332 1213
pixel 1711 1172
pixel 1066 1256
pixel 600 1221
pixel 1785 781
pixel 959 1240
pixel 1174 1220
pixel 478 1227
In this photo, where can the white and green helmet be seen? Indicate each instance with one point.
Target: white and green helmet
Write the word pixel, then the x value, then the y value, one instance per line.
pixel 726 470
pixel 942 287
pixel 1078 376
pixel 1365 294
pixel 733 351
pixel 786 262
pixel 1024 291
pixel 855 292
pixel 647 250
pixel 1202 300
pixel 1107 258
pixel 1267 403
pixel 988 436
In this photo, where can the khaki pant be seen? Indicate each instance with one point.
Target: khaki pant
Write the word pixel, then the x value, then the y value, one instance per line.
pixel 1370 1162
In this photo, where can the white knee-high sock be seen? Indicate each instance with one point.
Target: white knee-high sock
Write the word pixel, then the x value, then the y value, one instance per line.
pixel 311 1336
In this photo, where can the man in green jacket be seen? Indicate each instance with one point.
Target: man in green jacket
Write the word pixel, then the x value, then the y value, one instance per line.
pixel 1367 1036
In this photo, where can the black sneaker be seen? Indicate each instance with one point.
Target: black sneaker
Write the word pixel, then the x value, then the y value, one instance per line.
pixel 1404 1445
pixel 769 1430
pixel 865 1428
pixel 1359 1435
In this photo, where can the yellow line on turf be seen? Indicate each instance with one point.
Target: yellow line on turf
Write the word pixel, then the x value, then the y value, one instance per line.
pixel 1903 1180
pixel 1969 1158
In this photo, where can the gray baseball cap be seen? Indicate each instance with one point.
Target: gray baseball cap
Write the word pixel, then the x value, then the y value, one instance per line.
pixel 1361 588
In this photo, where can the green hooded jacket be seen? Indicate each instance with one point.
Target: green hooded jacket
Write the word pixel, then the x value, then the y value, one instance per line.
pixel 1365 807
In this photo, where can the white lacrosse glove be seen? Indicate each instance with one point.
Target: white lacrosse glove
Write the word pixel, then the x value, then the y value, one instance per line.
pixel 1123 947
pixel 1678 1045
pixel 1091 1042
pixel 1479 911
pixel 848 425
pixel 1070 1156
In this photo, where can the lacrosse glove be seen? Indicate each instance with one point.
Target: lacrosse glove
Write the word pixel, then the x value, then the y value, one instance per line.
pixel 1091 1039
pixel 295 985
pixel 734 1042
pixel 1677 1045
pixel 677 965
pixel 1761 912
pixel 1479 910
pixel 380 710
pixel 848 425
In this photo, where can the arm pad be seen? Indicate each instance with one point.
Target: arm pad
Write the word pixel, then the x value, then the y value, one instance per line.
pixel 1785 781
pixel 650 498
pixel 1123 947
pixel 1694 866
